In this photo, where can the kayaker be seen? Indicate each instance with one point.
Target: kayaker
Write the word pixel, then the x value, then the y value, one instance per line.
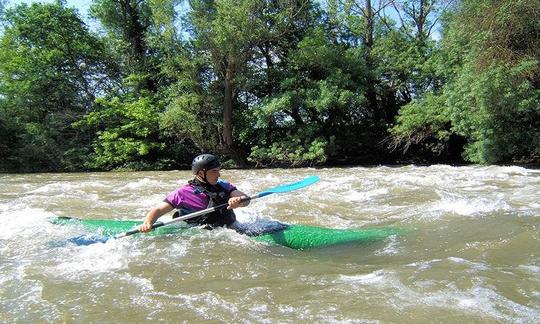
pixel 204 191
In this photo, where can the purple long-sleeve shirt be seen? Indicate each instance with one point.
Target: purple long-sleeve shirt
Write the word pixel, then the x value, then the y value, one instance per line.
pixel 189 198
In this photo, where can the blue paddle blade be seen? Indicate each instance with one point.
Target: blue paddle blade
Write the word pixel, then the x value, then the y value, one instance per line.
pixel 88 239
pixel 290 186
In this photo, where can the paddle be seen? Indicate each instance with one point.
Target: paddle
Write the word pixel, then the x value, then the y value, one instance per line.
pixel 279 189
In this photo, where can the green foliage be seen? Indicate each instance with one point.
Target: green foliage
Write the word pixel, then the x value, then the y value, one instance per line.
pixel 226 27
pixel 125 123
pixel 294 151
pixel 406 66
pixel 421 119
pixel 185 119
pixel 2 9
pixel 491 96
pixel 127 132
pixel 314 107
pixel 288 83
pixel 131 25
pixel 50 71
pixel 498 111
pixel 193 110
pixel 47 52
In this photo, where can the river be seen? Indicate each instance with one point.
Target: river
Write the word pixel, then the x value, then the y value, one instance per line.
pixel 471 253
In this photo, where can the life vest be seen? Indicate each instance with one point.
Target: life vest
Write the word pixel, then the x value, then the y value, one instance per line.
pixel 217 195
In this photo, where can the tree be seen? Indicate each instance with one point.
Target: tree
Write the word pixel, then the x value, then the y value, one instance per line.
pixel 125 122
pixel 233 42
pixel 2 8
pixel 126 131
pixel 224 35
pixel 491 96
pixel 129 24
pixel 51 69
pixel 227 31
pixel 406 54
pixel 317 101
pixel 359 22
pixel 314 107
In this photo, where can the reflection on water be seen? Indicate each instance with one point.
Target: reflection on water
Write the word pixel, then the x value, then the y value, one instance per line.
pixel 472 253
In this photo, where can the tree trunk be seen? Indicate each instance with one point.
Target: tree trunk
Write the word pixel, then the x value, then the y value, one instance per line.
pixel 134 34
pixel 228 145
pixel 371 94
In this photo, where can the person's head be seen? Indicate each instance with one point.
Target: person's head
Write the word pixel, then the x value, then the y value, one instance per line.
pixel 206 167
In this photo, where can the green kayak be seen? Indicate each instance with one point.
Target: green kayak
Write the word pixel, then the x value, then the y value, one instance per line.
pixel 293 236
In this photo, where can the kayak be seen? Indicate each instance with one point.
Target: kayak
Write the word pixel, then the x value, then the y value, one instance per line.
pixel 293 236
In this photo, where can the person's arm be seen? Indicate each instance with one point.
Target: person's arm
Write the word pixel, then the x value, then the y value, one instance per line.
pixel 154 214
pixel 235 200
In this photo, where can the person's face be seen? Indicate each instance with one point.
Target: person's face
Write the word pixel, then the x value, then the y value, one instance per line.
pixel 212 175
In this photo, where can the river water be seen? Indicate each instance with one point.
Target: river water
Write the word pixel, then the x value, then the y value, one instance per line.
pixel 472 252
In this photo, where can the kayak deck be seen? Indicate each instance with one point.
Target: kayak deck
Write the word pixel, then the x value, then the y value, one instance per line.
pixel 302 237
pixel 293 236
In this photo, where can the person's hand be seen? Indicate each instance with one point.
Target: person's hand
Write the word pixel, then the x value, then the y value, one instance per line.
pixel 145 227
pixel 235 202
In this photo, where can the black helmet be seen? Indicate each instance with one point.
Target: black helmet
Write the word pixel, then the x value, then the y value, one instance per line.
pixel 204 162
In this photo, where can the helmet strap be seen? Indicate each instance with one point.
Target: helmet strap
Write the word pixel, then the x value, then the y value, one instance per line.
pixel 203 178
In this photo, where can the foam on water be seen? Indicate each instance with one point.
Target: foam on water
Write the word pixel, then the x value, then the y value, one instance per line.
pixel 533 269
pixel 482 300
pixel 467 262
pixel 452 204
pixel 142 183
pixel 477 300
pixel 366 279
pixel 362 196
pixel 101 257
pixel 24 223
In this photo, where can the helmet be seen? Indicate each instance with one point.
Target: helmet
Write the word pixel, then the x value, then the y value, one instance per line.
pixel 204 162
